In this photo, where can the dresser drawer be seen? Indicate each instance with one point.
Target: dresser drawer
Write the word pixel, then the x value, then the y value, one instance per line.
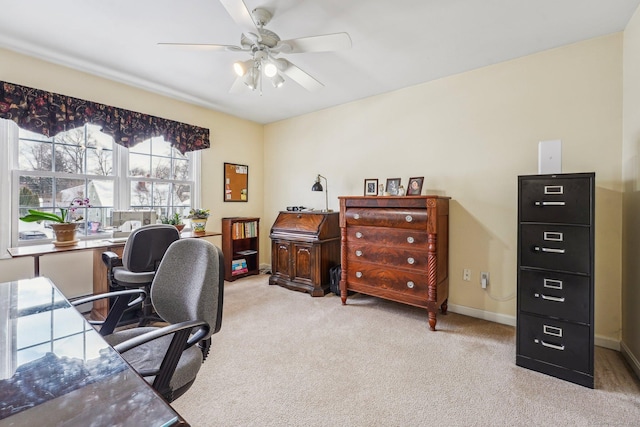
pixel 556 200
pixel 554 341
pixel 387 255
pixel 555 247
pixel 564 296
pixel 386 217
pixel 387 236
pixel 384 278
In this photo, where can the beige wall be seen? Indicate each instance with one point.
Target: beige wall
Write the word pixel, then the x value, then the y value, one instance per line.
pixel 232 140
pixel 631 175
pixel 470 136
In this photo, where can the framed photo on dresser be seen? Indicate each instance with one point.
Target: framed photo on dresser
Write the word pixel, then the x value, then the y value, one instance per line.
pixel 393 185
pixel 370 187
pixel 415 186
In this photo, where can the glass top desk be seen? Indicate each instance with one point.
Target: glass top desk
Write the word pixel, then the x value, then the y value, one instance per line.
pixel 55 369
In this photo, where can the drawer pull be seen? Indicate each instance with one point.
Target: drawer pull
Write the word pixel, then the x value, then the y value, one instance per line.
pixel 356 216
pixel 553 346
pixel 553 189
pixel 548 250
pixel 553 236
pixel 410 239
pixel 359 235
pixel 552 330
pixel 358 274
pixel 358 253
pixel 410 284
pixel 552 284
pixel 409 218
pixel 549 298
pixel 411 261
pixel 549 203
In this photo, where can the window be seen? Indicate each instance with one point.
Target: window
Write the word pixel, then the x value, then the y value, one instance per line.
pixel 48 173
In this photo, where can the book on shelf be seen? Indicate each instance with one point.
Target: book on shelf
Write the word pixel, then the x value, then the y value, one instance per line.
pixel 239 266
pixel 244 230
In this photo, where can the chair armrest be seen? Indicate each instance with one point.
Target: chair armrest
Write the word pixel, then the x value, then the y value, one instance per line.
pixel 117 309
pixel 111 259
pixel 142 295
pixel 166 330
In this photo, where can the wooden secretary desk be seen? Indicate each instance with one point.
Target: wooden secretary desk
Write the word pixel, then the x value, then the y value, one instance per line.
pixel 304 246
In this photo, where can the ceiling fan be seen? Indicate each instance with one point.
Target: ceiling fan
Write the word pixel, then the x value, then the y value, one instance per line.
pixel 265 47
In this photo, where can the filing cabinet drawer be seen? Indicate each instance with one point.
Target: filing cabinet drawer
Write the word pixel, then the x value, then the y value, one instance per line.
pixel 556 200
pixel 388 236
pixel 387 217
pixel 564 296
pixel 387 255
pixel 556 247
pixel 554 341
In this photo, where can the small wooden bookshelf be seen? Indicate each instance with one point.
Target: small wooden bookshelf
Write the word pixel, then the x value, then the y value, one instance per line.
pixel 240 246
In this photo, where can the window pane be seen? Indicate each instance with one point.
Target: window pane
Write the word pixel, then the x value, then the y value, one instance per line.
pixel 181 169
pixel 142 148
pixel 34 155
pixel 70 151
pixel 161 194
pixel 160 147
pixel 161 168
pixel 99 161
pixel 182 195
pixel 139 165
pixel 141 194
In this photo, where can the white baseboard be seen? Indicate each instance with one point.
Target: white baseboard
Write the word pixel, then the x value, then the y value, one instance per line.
pixel 630 358
pixel 482 314
pixel 504 319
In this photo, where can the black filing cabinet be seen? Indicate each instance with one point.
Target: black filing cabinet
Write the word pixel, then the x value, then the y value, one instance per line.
pixel 555 275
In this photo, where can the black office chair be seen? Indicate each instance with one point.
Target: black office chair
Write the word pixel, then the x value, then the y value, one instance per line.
pixel 187 292
pixel 142 254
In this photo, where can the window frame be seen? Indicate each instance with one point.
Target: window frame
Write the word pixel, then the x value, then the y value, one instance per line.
pixel 9 184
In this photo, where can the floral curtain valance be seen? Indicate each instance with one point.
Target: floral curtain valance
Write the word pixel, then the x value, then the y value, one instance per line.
pixel 50 113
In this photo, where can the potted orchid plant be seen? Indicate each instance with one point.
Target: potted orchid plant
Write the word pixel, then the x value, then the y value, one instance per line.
pixel 64 225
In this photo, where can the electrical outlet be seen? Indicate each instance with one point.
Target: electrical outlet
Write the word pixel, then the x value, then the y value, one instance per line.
pixel 484 279
pixel 466 275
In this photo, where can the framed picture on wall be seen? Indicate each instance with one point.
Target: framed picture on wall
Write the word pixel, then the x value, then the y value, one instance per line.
pixel 370 187
pixel 415 186
pixel 393 185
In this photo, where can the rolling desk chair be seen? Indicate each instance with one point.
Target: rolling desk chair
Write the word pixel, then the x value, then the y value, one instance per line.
pixel 142 254
pixel 187 293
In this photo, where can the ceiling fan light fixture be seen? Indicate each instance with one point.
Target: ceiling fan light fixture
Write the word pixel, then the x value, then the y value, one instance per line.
pixel 270 69
pixel 277 81
pixel 241 67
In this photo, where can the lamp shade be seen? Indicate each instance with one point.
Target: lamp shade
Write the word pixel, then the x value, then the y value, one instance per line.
pixel 317 186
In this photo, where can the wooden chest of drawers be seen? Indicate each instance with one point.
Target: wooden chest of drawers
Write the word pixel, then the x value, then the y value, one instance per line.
pixel 396 248
pixel 555 275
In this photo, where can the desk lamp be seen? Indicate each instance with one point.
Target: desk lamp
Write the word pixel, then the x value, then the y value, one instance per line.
pixel 318 187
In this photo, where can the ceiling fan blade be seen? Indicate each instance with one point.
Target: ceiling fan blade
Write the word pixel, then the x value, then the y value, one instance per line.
pixel 324 43
pixel 203 46
pixel 241 15
pixel 302 78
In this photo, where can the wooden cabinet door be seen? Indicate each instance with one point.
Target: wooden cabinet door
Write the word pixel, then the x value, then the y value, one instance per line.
pixel 281 259
pixel 303 261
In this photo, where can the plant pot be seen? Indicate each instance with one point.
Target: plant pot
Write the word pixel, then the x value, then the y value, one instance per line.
pixel 198 224
pixel 65 233
pixel 179 227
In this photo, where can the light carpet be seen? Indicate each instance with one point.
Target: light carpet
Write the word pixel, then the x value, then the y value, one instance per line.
pixel 283 358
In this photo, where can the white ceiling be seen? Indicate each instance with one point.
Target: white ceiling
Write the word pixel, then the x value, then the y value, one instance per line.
pixel 396 43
